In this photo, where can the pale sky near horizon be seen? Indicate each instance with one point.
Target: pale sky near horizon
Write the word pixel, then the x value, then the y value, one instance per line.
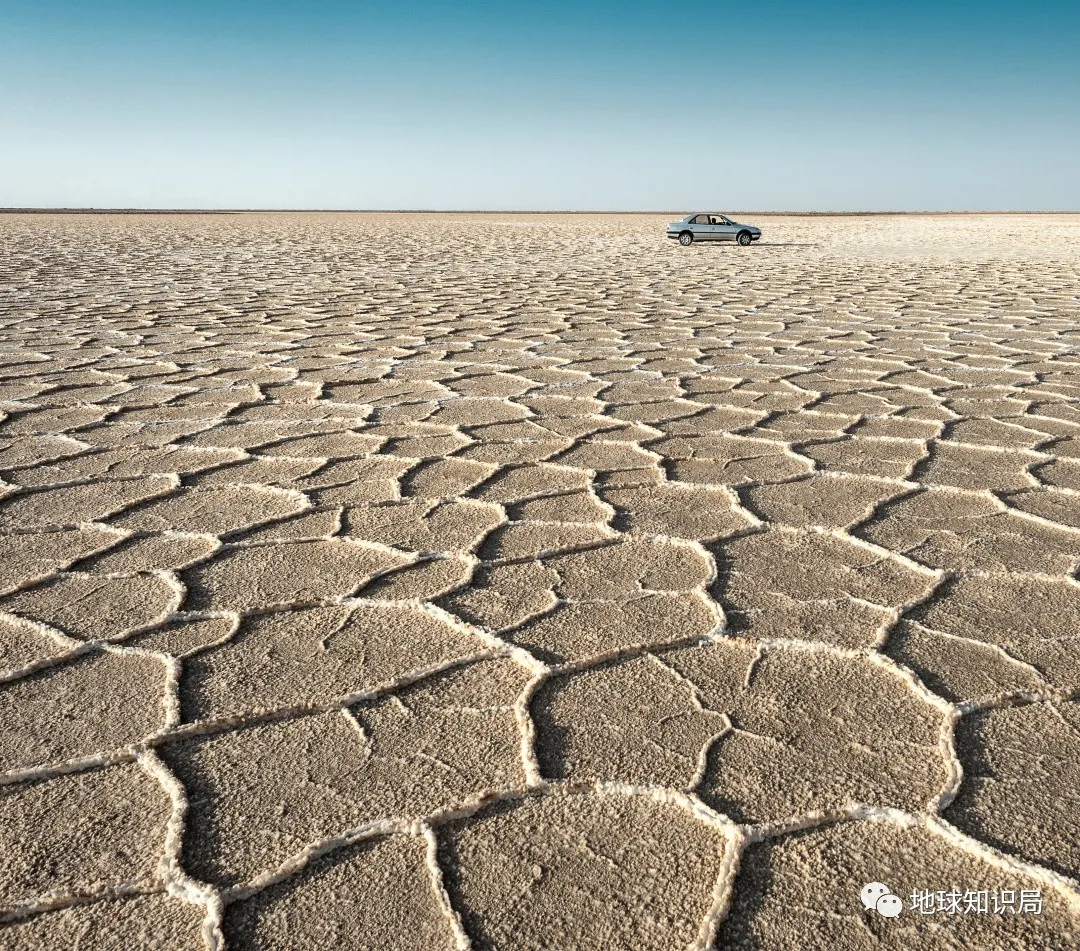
pixel 443 104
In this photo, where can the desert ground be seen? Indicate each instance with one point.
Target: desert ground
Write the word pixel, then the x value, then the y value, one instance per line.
pixel 402 581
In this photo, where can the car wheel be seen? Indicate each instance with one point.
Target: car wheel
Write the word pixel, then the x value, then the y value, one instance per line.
pixel 686 239
pixel 744 238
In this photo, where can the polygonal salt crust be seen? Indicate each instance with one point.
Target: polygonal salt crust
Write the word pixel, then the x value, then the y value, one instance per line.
pixel 76 504
pixel 161 922
pixel 1020 777
pixel 96 607
pixel 92 833
pixel 94 703
pixel 299 573
pixel 29 557
pixel 377 894
pixel 213 511
pixel 260 795
pixel 582 871
pixel 303 658
pixel 813 587
pixel 806 886
pixel 959 531
pixel 1031 619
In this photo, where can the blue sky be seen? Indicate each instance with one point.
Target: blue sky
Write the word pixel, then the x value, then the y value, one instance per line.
pixel 553 105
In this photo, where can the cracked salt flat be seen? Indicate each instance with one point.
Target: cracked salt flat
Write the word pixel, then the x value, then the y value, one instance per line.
pixel 484 585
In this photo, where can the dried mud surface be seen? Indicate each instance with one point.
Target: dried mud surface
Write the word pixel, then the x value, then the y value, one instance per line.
pixel 492 582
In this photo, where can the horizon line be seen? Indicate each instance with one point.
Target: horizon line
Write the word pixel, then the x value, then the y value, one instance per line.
pixel 72 210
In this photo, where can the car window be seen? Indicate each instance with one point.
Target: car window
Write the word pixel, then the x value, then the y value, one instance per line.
pixel 700 220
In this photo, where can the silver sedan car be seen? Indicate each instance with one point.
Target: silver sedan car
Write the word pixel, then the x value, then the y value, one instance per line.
pixel 711 226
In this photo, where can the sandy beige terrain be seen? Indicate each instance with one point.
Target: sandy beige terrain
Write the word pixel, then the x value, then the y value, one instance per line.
pixel 530 582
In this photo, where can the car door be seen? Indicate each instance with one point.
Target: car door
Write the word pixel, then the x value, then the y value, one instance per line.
pixel 702 228
pixel 723 228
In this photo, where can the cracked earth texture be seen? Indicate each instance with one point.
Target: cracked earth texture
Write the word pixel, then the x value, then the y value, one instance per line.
pixel 446 582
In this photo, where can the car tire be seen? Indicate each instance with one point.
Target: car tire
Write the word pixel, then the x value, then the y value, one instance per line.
pixel 686 239
pixel 744 239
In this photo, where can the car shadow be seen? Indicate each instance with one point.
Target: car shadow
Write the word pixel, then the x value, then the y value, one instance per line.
pixel 757 244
